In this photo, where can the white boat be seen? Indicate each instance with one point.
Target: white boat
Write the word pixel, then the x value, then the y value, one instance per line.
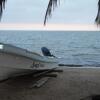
pixel 16 61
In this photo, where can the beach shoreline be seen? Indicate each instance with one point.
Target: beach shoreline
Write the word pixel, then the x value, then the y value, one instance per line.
pixel 71 84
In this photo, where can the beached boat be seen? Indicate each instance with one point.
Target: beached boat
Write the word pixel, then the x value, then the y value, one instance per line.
pixel 16 61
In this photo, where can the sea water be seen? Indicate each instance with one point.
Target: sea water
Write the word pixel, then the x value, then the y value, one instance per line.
pixel 72 46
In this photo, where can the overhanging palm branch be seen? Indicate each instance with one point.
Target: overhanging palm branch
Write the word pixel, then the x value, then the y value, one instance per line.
pixel 97 20
pixel 52 4
pixel 2 6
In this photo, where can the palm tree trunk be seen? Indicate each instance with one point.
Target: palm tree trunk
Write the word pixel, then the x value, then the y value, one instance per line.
pixel 52 4
pixel 97 20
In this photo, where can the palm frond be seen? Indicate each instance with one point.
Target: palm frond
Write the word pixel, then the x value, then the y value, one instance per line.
pixel 2 6
pixel 52 4
pixel 97 20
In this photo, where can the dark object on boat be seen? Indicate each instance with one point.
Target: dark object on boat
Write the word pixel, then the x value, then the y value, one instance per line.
pixel 46 52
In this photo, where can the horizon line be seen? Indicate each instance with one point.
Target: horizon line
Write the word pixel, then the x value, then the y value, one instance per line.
pixel 49 27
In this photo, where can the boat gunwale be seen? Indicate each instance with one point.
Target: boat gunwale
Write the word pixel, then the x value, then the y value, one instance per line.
pixel 26 54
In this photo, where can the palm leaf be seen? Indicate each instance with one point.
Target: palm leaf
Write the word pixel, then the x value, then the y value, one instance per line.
pixel 52 4
pixel 2 6
pixel 97 20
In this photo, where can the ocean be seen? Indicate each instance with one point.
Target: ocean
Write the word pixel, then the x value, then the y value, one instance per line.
pixel 72 47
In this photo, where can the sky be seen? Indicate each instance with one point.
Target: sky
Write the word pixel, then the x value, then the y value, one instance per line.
pixel 33 11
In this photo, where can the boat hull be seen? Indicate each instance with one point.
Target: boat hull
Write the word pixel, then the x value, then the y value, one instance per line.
pixel 12 64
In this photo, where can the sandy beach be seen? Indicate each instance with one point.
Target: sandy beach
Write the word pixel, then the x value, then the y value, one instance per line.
pixel 71 84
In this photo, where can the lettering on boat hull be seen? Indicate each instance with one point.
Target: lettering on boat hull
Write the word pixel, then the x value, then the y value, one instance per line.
pixel 37 65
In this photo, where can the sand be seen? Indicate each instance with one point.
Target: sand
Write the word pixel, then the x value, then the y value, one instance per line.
pixel 72 84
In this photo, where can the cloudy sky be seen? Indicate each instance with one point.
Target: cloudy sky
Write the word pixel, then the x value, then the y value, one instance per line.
pixel 33 11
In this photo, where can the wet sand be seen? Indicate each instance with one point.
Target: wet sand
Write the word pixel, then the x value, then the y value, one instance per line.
pixel 72 84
